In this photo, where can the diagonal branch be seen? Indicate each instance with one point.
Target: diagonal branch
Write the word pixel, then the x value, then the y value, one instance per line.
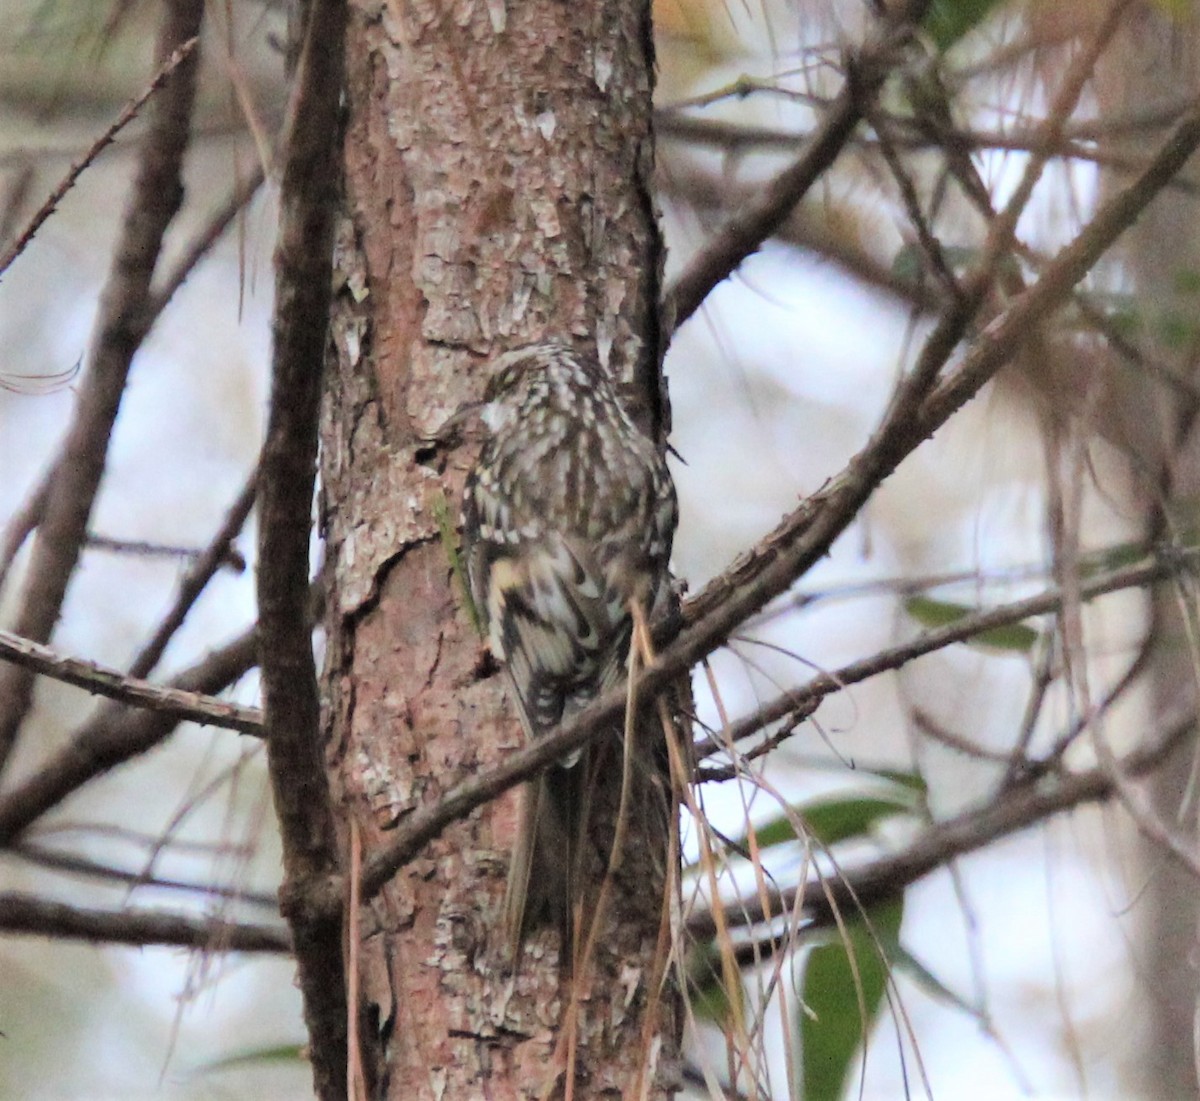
pixel 219 221
pixel 806 534
pixel 127 115
pixel 801 700
pixel 708 190
pixel 1021 808
pixel 27 519
pixel 197 578
pixel 178 704
pixel 743 233
pixel 22 523
pixel 115 735
pixel 155 198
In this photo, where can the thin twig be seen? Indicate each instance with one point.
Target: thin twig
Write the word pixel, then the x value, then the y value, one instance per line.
pixel 200 245
pixel 22 522
pixel 197 578
pixel 1005 334
pixel 801 699
pixel 115 735
pixel 73 864
pixel 127 115
pixel 931 247
pixel 743 233
pixel 147 548
pixel 886 877
pixel 736 138
pixel 709 190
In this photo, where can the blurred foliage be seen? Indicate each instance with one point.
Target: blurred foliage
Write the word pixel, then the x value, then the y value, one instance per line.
pixel 948 21
pixel 944 613
pixel 844 984
pixel 846 973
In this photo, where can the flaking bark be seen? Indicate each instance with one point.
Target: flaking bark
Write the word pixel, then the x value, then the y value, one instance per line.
pixel 497 167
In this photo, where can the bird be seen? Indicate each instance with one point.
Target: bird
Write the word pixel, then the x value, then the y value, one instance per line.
pixel 568 519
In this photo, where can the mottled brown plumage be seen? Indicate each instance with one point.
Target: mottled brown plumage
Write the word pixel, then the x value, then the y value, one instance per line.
pixel 568 517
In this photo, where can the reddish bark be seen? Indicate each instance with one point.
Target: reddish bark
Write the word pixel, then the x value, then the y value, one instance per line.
pixel 497 162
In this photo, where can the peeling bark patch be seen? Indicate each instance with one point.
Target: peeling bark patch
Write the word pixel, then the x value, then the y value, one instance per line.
pixel 497 164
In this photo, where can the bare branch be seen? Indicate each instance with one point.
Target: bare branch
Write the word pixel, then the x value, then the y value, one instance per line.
pixel 22 522
pixel 115 735
pixel 148 548
pixel 127 115
pixel 805 534
pixel 73 864
pixel 745 231
pixel 711 191
pixel 197 578
pixel 1022 807
pixel 221 219
pixel 121 327
pixel 800 700
pixel 181 706
pixel 27 519
pixel 1074 143
pixel 23 914
pixel 1005 334
pixel 303 289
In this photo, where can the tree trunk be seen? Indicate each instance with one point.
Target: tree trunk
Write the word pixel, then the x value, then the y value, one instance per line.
pixel 497 172
pixel 1156 62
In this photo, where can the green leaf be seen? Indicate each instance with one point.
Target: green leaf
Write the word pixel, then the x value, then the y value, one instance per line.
pixel 942 613
pixel 840 1008
pixel 1112 558
pixel 839 819
pixel 277 1053
pixel 908 265
pixel 1122 311
pixel 910 781
pixel 832 820
pixel 947 21
pixel 1176 9
pixel 778 831
pixel 1176 330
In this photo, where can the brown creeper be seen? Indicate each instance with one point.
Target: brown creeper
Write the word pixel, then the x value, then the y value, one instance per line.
pixel 568 518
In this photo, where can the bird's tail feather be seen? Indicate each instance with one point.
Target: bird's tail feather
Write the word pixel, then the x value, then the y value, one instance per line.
pixel 544 878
